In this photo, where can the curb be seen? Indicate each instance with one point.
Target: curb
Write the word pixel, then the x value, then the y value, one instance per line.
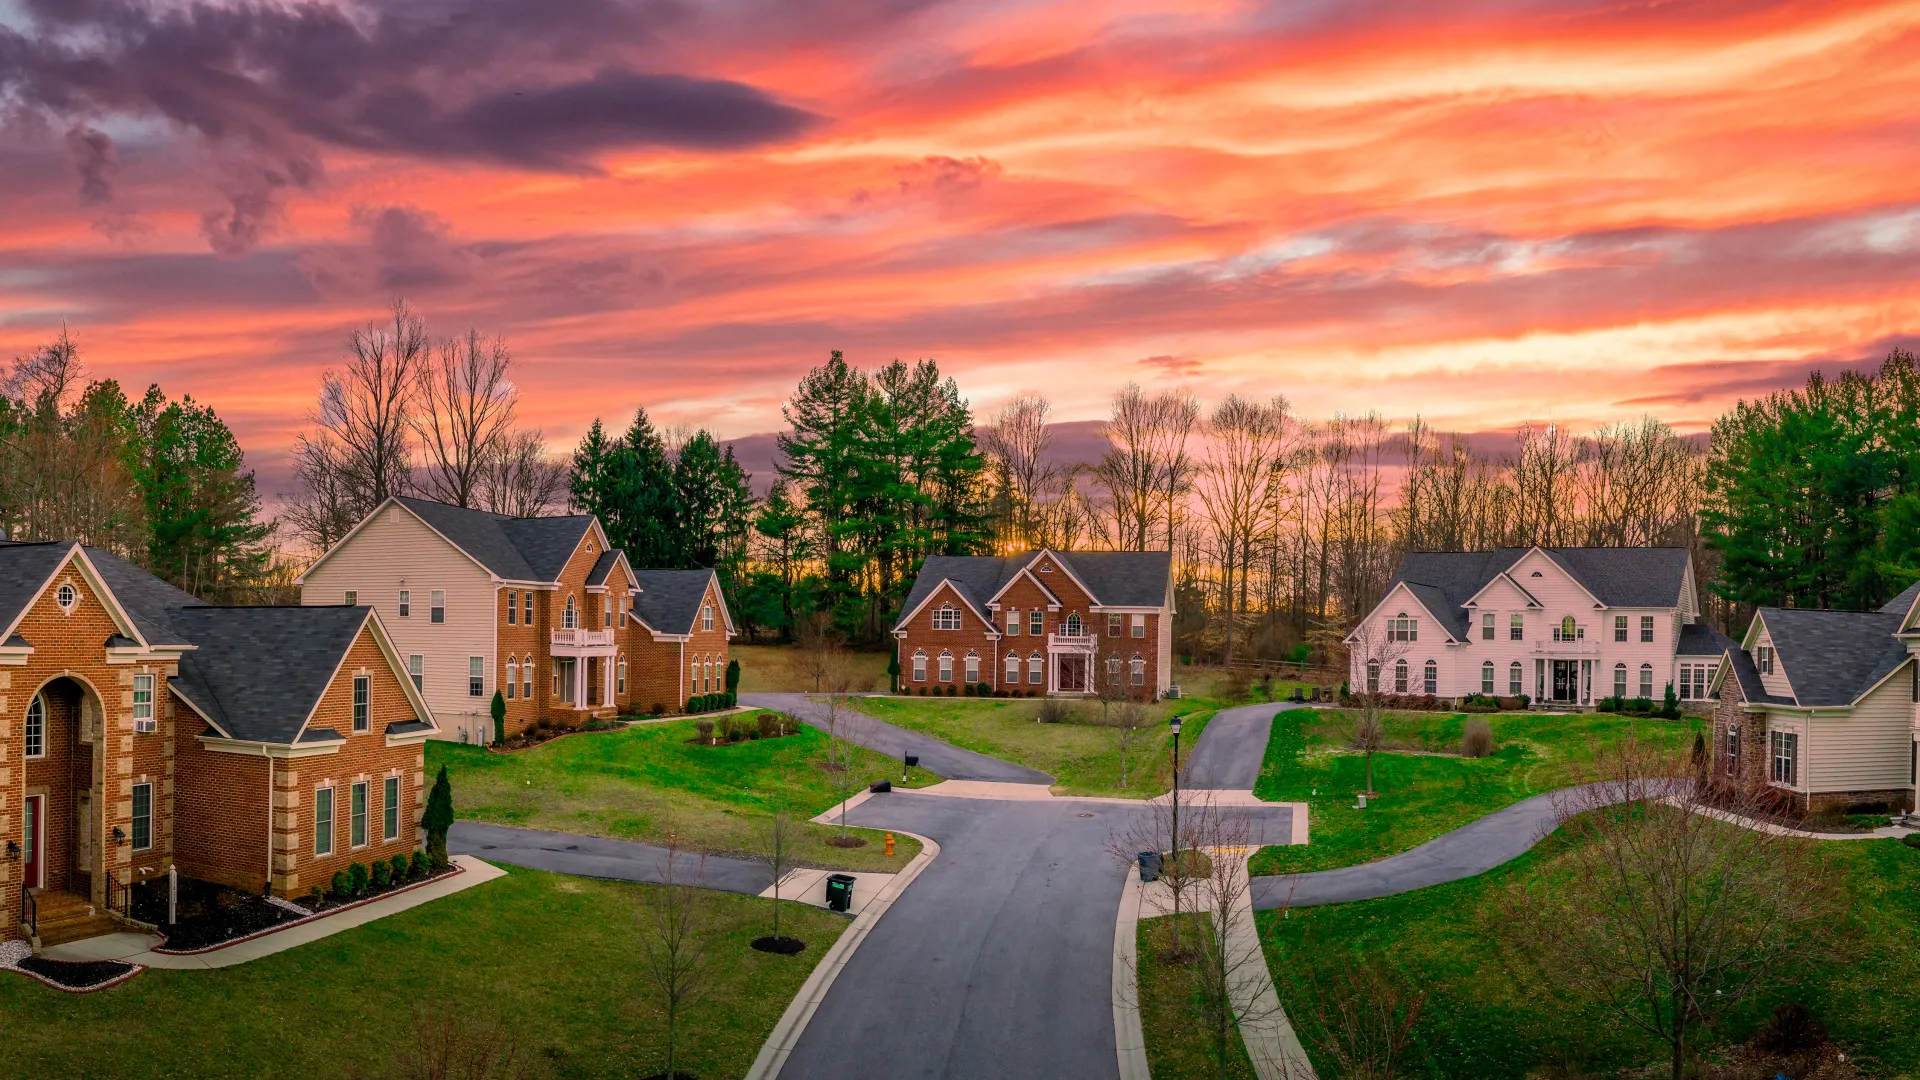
pixel 1130 1040
pixel 793 1022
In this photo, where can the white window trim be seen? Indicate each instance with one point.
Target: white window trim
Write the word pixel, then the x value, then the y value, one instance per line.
pixel 133 832
pixel 404 603
pixel 366 827
pixel 362 710
pixel 143 721
pixel 28 734
pixel 389 809
pixel 437 606
pixel 476 676
pixel 333 808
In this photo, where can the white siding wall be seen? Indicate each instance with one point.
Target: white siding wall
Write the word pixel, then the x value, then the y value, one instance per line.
pixel 397 551
pixel 1776 682
pixel 1868 750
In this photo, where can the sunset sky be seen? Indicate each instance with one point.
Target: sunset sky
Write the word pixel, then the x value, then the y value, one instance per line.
pixel 1483 211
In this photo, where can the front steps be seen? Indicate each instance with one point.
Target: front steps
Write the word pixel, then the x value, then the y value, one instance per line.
pixel 64 917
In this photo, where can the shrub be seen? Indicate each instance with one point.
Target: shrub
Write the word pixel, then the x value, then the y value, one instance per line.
pixel 1476 739
pixel 498 710
pixel 1792 1029
pixel 1670 706
pixel 342 884
pixel 1053 711
pixel 952 690
pixel 736 733
pixel 705 728
pixel 1912 839
pixel 438 819
pixel 658 708
pixel 382 875
pixel 765 723
pixel 318 894
pixel 733 677
pixel 419 865
pixel 357 876
pixel 398 866
pixel 725 724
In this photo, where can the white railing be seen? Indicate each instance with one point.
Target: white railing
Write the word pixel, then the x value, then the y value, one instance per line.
pixel 582 637
pixel 1081 640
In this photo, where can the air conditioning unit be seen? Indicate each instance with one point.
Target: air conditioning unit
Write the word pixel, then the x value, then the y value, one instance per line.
pixel 1173 691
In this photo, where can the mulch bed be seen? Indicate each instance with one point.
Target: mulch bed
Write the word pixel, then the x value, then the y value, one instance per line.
pixel 785 946
pixel 846 841
pixel 234 916
pixel 532 737
pixel 78 974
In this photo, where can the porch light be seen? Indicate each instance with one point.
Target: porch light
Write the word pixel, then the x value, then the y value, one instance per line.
pixel 13 851
pixel 119 837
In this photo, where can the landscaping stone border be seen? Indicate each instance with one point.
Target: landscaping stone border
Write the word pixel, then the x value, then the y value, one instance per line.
pixel 13 952
pixel 452 870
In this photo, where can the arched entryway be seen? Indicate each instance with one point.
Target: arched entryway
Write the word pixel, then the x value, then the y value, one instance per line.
pixel 61 815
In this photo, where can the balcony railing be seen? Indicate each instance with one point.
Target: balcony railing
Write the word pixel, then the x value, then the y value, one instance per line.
pixel 582 637
pixel 1082 640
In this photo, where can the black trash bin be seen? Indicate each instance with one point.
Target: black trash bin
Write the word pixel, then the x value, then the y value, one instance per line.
pixel 1299 694
pixel 880 787
pixel 839 891
pixel 1149 866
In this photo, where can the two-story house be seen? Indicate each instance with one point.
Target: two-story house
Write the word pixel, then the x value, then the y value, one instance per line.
pixel 1561 626
pixel 1041 622
pixel 1825 705
pixel 543 610
pixel 140 729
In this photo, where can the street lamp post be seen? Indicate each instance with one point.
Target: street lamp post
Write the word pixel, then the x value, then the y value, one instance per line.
pixel 1174 724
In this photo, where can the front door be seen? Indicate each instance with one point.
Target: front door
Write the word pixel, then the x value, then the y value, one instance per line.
pixel 34 855
pixel 1073 673
pixel 566 680
pixel 1563 680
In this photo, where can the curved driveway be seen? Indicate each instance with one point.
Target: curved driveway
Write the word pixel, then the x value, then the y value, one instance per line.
pixel 602 857
pixel 935 756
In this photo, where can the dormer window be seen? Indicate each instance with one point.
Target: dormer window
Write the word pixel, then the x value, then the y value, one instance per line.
pixel 1403 627
pixel 1046 568
pixel 67 597
pixel 946 618
pixel 1763 659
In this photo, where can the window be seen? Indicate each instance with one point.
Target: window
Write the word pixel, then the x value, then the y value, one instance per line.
pixel 1516 683
pixel 1568 631
pixel 437 606
pixel 1619 628
pixel 706 618
pixel 1763 659
pixel 620 676
pixel 390 809
pixel 1113 624
pixel 1486 678
pixel 1013 669
pixel 417 671
pixel 1036 622
pixel 973 667
pixel 946 618
pixel 1138 666
pixel 1403 628
pixel 350 598
pixel 1786 757
pixel 1733 749
pixel 67 597
pixel 1702 675
pixel 1646 629
pixel 526 608
pixel 513 678
pixel 1486 626
pixel 919 667
pixel 143 703
pixel 622 603
pixel 406 603
pixel 526 678
pixel 570 618
pixel 362 702
pixel 1432 678
pixel 946 666
pixel 710 683
pixel 1373 676
pixel 693 676
pixel 606 613
pixel 357 823
pixel 323 821
pixel 142 816
pixel 1399 676
pixel 1139 626
pixel 1619 680
pixel 1013 622
pixel 513 604
pixel 1113 668
pixel 1517 627
pixel 476 676
pixel 1646 680
pixel 1036 669
pixel 1073 624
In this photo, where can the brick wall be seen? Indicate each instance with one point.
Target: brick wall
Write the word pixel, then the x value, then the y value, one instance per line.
pixel 972 636
pixel 220 801
pixel 654 672
pixel 519 642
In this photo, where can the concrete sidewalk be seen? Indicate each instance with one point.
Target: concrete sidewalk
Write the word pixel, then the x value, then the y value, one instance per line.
pixel 136 948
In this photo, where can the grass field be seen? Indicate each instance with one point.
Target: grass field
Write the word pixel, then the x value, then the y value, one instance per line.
pixel 1423 794
pixel 1176 1045
pixel 1082 757
pixel 649 780
pixel 766 669
pixel 552 959
pixel 1490 1016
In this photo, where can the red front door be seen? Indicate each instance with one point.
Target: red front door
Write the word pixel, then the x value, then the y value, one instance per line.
pixel 35 842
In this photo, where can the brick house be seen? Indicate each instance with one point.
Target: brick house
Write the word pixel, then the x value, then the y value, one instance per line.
pixel 1823 704
pixel 542 609
pixel 141 729
pixel 1562 626
pixel 1040 622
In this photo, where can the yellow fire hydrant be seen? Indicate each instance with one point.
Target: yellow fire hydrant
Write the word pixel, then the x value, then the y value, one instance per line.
pixel 889 843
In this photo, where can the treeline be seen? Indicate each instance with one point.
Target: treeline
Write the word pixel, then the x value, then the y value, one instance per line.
pixel 159 482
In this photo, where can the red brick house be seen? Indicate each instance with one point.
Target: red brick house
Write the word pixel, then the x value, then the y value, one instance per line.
pixel 543 610
pixel 141 729
pixel 1041 622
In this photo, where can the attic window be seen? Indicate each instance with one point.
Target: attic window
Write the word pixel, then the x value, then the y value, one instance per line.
pixel 1046 568
pixel 589 547
pixel 1536 573
pixel 67 597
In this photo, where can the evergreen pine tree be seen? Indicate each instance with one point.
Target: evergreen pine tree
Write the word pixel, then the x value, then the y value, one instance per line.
pixel 499 711
pixel 438 819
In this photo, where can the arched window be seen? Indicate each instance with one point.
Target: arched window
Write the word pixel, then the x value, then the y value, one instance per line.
pixel 693 677
pixel 1646 680
pixel 620 676
pixel 946 666
pixel 708 666
pixel 36 734
pixel 513 679
pixel 1399 676
pixel 1113 667
pixel 919 665
pixel 1373 676
pixel 947 618
pixel 1013 669
pixel 1515 684
pixel 526 678
pixel 972 674
pixel 1138 666
pixel 1486 678
pixel 1432 678
pixel 570 618
pixel 1073 624
pixel 1567 629
pixel 1036 669
pixel 1403 628
pixel 1619 680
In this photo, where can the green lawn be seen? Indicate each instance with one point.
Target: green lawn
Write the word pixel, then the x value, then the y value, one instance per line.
pixel 553 959
pixel 1169 1008
pixel 1421 794
pixel 766 669
pixel 1490 1016
pixel 649 780
pixel 1082 757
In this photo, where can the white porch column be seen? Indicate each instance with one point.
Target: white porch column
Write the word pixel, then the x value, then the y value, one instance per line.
pixel 579 682
pixel 606 680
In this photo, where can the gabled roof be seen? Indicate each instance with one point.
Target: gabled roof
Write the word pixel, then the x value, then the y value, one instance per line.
pixel 1114 578
pixel 1616 577
pixel 1451 618
pixel 669 600
pixel 259 671
pixel 1832 657
pixel 1903 603
pixel 510 548
pixel 145 598
pixel 604 565
pixel 24 570
pixel 1739 666
pixel 1699 639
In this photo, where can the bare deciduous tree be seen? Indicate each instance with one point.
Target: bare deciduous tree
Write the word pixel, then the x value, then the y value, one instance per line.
pixel 1363 1015
pixel 1373 650
pixel 464 415
pixel 450 1045
pixel 823 653
pixel 777 849
pixel 673 953
pixel 1247 451
pixel 522 479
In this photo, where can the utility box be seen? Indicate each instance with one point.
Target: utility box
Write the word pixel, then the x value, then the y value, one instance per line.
pixel 839 891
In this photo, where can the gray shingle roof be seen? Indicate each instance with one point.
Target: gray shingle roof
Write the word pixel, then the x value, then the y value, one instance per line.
pixel 145 598
pixel 669 600
pixel 23 569
pixel 1617 577
pixel 259 671
pixel 1699 639
pixel 518 549
pixel 1115 578
pixel 1832 657
pixel 603 566
pixel 1740 666
pixel 1901 603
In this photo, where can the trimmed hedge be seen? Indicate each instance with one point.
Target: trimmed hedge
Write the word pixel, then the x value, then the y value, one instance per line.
pixel 700 703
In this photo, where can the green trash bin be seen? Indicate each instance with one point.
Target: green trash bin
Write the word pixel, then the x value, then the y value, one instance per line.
pixel 839 891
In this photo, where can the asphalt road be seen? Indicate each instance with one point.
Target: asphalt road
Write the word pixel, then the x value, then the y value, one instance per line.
pixel 943 758
pixel 600 857
pixel 998 960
